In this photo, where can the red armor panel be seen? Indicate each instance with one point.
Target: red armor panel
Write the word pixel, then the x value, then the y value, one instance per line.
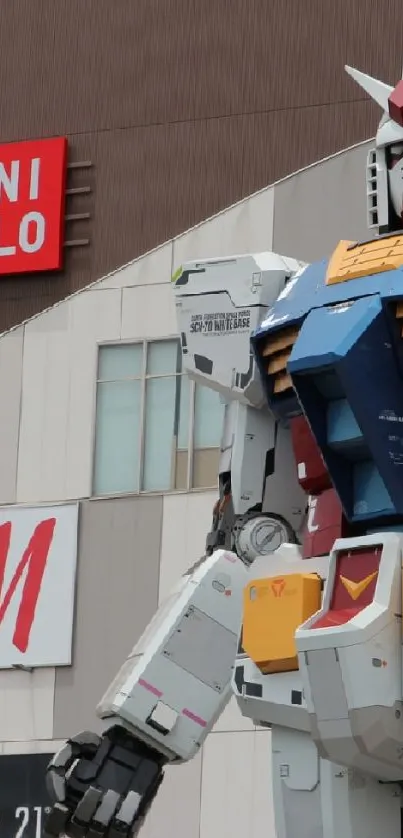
pixel 312 473
pixel 325 523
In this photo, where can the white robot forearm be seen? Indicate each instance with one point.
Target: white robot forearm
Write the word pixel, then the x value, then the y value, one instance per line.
pixel 177 680
pixel 158 710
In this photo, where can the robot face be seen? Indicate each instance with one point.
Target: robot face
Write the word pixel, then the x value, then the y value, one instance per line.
pixel 385 168
pixel 395 177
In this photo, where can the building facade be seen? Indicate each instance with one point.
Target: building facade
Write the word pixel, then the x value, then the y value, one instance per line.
pixel 107 482
pixel 174 111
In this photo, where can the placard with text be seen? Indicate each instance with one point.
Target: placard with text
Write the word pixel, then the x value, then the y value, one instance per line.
pixel 32 198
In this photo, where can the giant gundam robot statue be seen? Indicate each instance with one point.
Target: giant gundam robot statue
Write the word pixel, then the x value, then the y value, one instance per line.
pixel 296 608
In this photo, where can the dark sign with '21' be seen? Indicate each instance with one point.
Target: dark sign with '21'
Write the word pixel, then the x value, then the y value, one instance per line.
pixel 24 802
pixel 29 820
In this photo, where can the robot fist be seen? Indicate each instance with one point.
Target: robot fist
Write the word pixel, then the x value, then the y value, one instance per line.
pixel 103 786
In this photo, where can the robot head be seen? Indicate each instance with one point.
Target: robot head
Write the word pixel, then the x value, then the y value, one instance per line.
pixel 385 161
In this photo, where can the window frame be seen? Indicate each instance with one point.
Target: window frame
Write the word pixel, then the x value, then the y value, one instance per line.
pixel 143 378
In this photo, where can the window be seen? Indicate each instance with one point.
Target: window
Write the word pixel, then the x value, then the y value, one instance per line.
pixel 155 429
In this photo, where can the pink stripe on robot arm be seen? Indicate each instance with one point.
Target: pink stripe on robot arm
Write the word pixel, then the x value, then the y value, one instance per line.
pixel 230 558
pixel 194 718
pixel 150 688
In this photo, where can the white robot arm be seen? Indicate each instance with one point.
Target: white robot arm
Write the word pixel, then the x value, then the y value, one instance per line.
pixel 219 303
pixel 177 680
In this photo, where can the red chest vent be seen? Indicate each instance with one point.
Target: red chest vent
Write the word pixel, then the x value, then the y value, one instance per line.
pixel 354 585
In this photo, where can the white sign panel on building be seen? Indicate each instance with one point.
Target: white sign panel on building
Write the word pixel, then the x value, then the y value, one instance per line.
pixel 38 558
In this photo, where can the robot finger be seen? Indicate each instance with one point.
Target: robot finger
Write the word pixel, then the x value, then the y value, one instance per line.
pixel 128 811
pixel 65 760
pixel 56 771
pixel 86 740
pixel 130 816
pixel 94 813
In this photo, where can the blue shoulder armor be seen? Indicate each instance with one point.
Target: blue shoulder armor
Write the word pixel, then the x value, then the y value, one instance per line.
pixel 332 347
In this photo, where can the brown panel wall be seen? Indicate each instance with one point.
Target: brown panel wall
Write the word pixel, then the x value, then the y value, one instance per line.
pixel 182 107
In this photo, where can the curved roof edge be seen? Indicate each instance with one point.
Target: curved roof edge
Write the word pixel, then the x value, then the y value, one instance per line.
pixel 253 195
pixel 189 230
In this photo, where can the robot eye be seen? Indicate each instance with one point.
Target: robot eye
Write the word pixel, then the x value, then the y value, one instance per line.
pixel 395 153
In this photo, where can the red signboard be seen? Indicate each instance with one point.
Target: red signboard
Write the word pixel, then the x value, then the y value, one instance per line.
pixel 32 191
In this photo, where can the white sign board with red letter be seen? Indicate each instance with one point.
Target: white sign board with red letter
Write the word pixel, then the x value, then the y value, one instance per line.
pixel 32 196
pixel 38 559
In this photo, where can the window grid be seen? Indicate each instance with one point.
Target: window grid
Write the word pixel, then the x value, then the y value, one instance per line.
pixel 141 440
pixel 191 424
pixel 144 376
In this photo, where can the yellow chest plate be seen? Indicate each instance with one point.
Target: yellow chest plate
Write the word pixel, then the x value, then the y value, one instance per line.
pixel 272 611
pixel 352 260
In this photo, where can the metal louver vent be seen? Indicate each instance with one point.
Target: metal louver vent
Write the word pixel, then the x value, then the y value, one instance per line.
pixel 275 353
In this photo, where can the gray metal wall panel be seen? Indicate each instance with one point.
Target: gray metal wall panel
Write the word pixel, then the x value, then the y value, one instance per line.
pixel 316 208
pixel 117 593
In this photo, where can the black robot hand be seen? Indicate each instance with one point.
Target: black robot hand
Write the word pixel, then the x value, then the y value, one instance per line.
pixel 103 786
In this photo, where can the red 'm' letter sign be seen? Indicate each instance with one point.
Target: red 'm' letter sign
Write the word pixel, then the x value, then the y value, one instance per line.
pixel 34 559
pixel 32 190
